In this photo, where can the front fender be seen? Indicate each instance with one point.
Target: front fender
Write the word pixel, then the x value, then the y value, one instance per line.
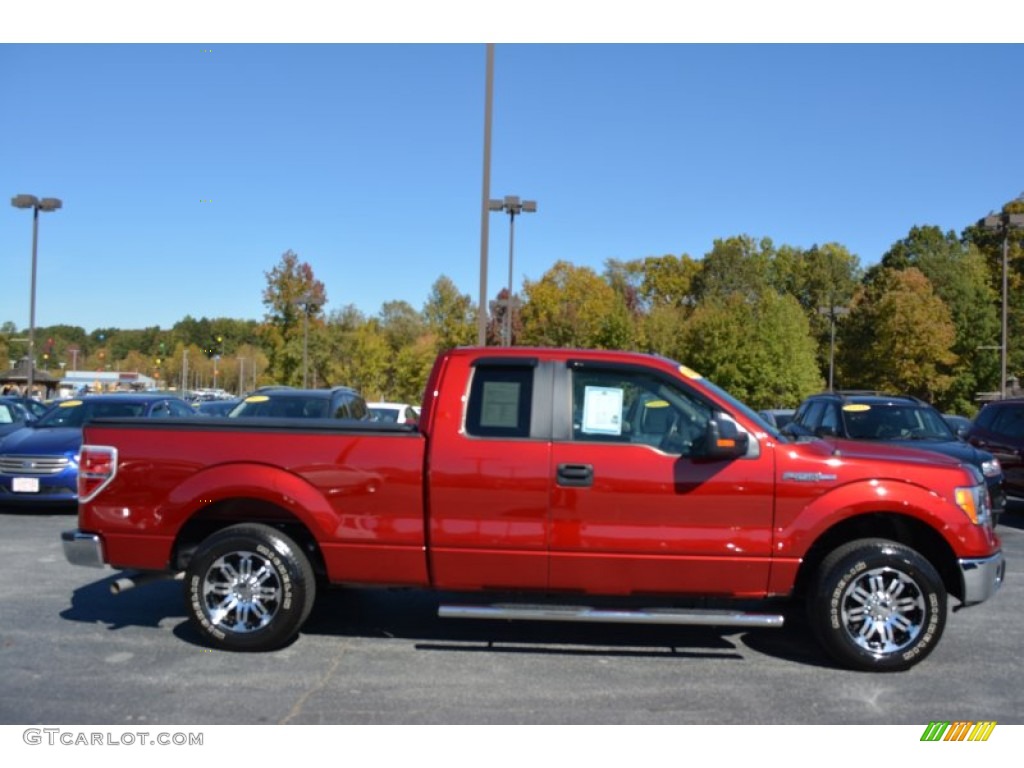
pixel 801 521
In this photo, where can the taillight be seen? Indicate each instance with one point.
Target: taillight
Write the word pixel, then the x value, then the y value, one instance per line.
pixel 97 466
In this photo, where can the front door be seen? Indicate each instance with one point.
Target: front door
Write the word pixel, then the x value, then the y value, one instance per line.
pixel 636 510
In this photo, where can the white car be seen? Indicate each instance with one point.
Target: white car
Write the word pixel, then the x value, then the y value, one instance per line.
pixel 396 413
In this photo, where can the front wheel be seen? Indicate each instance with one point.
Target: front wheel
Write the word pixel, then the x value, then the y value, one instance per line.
pixel 249 588
pixel 878 606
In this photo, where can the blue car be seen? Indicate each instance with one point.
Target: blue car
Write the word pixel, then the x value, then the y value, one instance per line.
pixel 39 463
pixel 13 416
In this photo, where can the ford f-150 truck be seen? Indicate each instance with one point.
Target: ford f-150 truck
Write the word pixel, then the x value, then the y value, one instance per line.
pixel 546 484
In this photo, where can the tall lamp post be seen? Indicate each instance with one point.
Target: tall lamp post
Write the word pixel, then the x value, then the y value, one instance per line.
pixel 513 207
pixel 833 312
pixel 304 301
pixel 37 205
pixel 1003 222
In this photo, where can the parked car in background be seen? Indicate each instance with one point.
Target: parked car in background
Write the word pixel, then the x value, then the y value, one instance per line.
pixel 999 429
pixel 778 417
pixel 396 413
pixel 217 407
pixel 335 403
pixel 33 406
pixel 959 424
pixel 13 416
pixel 39 464
pixel 895 419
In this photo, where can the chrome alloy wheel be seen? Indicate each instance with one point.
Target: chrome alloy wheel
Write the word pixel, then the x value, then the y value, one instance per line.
pixel 241 592
pixel 883 610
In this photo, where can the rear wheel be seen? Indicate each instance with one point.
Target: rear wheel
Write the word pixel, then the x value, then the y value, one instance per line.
pixel 877 606
pixel 249 588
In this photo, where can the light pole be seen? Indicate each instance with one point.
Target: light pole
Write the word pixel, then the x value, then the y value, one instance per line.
pixel 1003 222
pixel 833 312
pixel 481 315
pixel 513 207
pixel 37 205
pixel 304 301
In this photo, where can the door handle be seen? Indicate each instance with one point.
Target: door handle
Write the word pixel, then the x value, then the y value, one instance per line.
pixel 576 475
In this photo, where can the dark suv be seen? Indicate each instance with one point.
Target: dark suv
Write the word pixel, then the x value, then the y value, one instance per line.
pixel 895 419
pixel 288 403
pixel 999 429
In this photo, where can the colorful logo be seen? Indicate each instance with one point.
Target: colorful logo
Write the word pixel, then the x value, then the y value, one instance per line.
pixel 960 730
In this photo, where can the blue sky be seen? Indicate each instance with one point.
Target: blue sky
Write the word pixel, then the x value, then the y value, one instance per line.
pixel 187 169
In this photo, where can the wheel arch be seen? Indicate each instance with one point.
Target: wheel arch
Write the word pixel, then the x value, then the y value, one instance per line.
pixel 225 513
pixel 903 529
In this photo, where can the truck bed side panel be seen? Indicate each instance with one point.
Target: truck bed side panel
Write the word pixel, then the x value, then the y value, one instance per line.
pixel 358 493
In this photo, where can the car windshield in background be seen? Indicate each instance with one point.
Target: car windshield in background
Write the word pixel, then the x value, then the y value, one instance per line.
pixel 76 413
pixel 895 422
pixel 283 405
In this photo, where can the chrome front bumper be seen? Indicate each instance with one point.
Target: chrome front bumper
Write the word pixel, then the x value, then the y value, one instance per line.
pixel 81 548
pixel 982 577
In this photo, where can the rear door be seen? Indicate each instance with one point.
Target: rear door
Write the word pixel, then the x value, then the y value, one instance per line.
pixel 489 487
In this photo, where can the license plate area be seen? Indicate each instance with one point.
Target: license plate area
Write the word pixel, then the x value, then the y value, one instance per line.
pixel 25 484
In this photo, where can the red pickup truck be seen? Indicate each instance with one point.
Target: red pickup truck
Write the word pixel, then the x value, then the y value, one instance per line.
pixel 588 485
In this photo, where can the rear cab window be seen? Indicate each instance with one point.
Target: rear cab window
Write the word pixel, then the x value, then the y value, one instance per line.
pixel 500 401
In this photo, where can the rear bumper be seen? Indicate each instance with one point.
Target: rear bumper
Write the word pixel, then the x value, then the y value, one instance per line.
pixel 982 577
pixel 83 548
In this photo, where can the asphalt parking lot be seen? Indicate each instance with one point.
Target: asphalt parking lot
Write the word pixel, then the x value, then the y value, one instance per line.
pixel 71 652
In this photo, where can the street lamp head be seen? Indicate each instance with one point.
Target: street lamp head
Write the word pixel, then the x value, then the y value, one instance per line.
pixel 529 206
pixel 998 221
pixel 495 205
pixel 24 201
pixel 31 201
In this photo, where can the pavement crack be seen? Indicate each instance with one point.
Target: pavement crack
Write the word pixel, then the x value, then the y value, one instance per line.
pixel 324 679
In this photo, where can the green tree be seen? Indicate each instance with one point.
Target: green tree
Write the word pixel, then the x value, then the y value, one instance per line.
pixel 898 337
pixel 669 281
pixel 824 280
pixel 401 324
pixel 735 265
pixel 959 275
pixel 760 350
pixel 294 299
pixel 449 315
pixel 573 307
pixel 990 244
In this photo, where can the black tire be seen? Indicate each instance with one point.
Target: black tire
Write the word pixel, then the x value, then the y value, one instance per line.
pixel 877 606
pixel 249 588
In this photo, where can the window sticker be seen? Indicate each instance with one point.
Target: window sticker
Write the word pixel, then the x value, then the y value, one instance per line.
pixel 602 411
pixel 500 404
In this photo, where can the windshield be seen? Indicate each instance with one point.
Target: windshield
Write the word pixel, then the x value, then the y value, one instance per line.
pixel 384 414
pixel 76 413
pixel 892 421
pixel 287 406
pixel 741 407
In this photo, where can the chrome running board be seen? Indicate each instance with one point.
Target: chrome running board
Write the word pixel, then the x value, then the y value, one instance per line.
pixel 582 613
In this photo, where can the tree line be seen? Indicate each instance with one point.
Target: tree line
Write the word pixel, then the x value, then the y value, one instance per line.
pixel 771 324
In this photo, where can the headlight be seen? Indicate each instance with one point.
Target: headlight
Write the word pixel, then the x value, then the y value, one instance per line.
pixel 991 468
pixel 975 503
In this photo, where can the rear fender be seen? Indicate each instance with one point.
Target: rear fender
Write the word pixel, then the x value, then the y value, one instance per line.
pixel 293 494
